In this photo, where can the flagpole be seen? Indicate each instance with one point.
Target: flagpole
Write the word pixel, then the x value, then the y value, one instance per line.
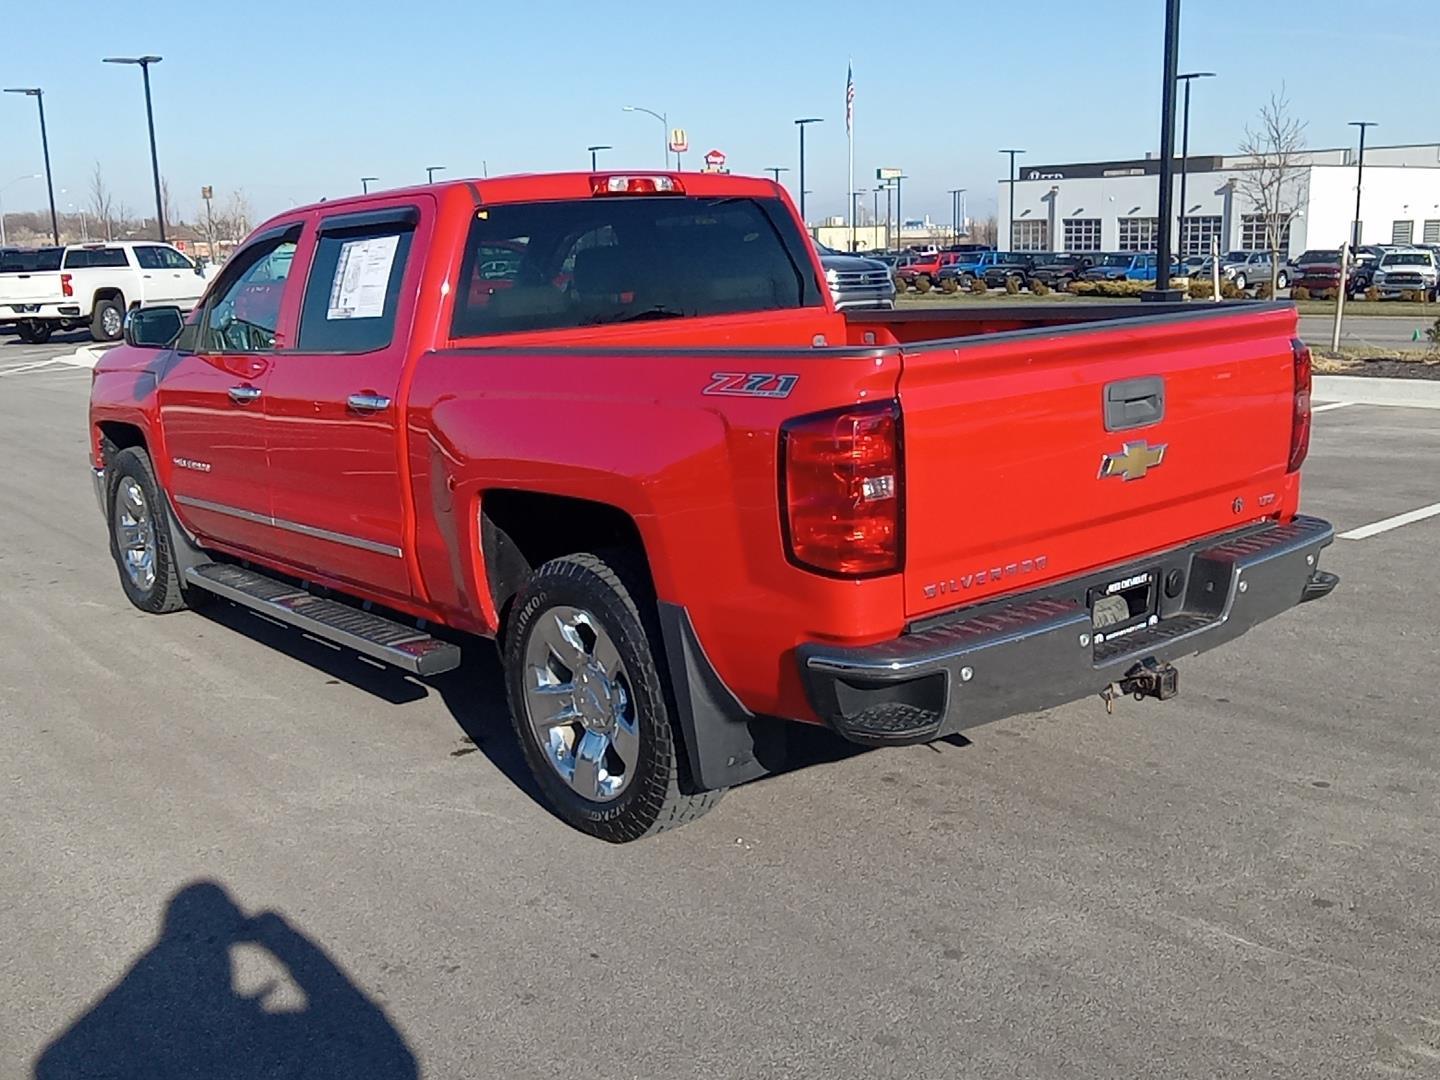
pixel 850 132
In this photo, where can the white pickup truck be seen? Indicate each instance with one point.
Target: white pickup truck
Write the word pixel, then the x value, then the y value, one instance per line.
pixel 93 285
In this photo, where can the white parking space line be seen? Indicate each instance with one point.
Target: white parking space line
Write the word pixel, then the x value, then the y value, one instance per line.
pixel 1364 532
pixel 1331 405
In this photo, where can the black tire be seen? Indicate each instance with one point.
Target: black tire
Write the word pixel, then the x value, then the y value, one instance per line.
pixel 1282 280
pixel 99 317
pixel 655 798
pixel 35 332
pixel 164 594
pixel 1241 282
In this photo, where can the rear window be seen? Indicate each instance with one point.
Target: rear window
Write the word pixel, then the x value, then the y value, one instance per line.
pixel 602 261
pixel 32 262
pixel 95 258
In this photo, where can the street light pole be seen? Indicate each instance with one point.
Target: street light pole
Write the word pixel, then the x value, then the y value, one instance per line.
pixel 889 232
pixel 1359 179
pixel 875 217
pixel 955 213
pixel 144 63
pixel 1185 151
pixel 430 171
pixel 802 124
pixel 899 217
pixel 1162 291
pixel 664 124
pixel 1010 226
pixel 39 96
pixel 594 155
pixel 365 182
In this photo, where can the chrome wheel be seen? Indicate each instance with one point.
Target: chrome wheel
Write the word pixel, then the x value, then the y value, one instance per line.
pixel 112 322
pixel 134 533
pixel 579 704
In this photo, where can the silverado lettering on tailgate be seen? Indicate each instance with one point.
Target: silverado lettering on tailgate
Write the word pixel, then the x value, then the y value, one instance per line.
pixel 983 577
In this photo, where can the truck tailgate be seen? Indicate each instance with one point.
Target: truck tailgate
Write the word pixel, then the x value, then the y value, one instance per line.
pixel 29 288
pixel 1013 478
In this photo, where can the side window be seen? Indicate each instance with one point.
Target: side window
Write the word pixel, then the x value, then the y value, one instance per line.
pixel 109 258
pixel 176 261
pixel 150 258
pixel 245 309
pixel 353 292
pixel 77 259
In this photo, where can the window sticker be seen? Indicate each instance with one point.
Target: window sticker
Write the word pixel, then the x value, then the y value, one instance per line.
pixel 362 278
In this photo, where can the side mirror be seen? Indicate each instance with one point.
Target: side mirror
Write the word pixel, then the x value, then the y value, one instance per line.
pixel 153 328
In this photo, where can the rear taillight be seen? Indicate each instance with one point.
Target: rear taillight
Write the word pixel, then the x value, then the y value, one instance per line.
pixel 840 477
pixel 1300 418
pixel 67 284
pixel 636 185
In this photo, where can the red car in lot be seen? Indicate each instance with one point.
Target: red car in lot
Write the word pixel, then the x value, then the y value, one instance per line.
pixel 690 498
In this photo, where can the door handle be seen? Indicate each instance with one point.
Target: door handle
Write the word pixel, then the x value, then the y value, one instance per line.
pixel 368 402
pixel 243 395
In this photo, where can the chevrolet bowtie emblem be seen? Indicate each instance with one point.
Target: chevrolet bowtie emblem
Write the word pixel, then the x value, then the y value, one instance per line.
pixel 1133 461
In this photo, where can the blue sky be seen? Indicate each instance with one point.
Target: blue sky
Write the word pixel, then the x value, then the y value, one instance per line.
pixel 293 101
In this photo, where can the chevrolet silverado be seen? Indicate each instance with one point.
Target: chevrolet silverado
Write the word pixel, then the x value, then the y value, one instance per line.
pixel 616 422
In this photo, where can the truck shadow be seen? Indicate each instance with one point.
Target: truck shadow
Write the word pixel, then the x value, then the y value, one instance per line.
pixel 474 695
pixel 226 996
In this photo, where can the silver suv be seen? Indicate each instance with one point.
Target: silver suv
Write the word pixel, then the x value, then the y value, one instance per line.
pixel 1407 270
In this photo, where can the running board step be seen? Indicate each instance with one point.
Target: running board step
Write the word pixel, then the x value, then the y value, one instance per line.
pixel 375 636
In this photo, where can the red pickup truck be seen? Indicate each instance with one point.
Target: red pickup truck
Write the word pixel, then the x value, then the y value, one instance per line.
pixel 616 423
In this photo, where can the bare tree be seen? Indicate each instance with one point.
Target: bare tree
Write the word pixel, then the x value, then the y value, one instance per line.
pixel 985 232
pixel 1270 179
pixel 102 203
pixel 235 218
pixel 167 208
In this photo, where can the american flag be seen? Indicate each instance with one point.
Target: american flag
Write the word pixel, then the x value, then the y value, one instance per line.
pixel 849 97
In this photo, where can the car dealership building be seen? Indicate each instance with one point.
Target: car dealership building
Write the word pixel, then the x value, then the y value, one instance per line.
pixel 1112 205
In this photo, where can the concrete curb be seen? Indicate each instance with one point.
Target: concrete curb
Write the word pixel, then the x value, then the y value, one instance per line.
pixel 1370 390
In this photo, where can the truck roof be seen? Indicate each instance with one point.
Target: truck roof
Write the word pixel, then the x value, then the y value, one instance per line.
pixel 540 187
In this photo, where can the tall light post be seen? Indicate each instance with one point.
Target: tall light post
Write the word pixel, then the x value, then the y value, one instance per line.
pixel 39 96
pixel 955 194
pixel 899 216
pixel 1162 292
pixel 144 63
pixel 1359 179
pixel 365 182
pixel 890 244
pixel 594 155
pixel 802 124
pixel 430 171
pixel 3 188
pixel 664 124
pixel 1187 79
pixel 1010 225
pixel 875 214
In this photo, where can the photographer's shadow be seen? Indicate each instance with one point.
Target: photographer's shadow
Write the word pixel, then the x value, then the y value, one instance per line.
pixel 177 1013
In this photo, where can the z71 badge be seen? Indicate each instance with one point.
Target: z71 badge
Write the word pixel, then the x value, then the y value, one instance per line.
pixel 751 384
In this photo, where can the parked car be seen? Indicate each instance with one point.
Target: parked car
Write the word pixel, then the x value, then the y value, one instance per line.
pixel 1057 271
pixel 1321 276
pixel 1247 268
pixel 970 265
pixel 857 282
pixel 1013 264
pixel 93 285
pixel 674 486
pixel 1365 260
pixel 1124 266
pixel 926 266
pixel 1407 270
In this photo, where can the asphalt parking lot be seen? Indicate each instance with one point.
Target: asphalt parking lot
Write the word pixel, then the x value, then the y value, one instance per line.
pixel 213 824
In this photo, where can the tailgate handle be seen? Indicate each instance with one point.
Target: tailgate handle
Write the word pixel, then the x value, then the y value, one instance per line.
pixel 1134 403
